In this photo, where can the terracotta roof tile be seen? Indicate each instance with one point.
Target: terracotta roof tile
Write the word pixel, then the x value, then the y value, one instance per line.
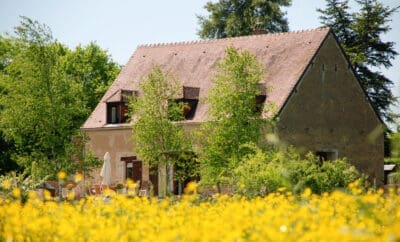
pixel 285 57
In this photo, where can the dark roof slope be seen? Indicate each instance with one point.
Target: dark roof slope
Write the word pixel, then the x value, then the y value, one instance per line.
pixel 285 56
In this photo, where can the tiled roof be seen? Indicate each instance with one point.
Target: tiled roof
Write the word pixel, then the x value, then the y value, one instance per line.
pixel 285 57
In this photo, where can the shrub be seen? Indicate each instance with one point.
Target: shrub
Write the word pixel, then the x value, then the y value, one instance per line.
pixel 260 173
pixel 394 178
pixel 256 177
pixel 15 185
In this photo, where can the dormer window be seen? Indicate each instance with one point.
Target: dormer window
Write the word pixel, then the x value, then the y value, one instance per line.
pixel 189 108
pixel 117 106
pixel 190 100
pixel 116 113
pixel 260 99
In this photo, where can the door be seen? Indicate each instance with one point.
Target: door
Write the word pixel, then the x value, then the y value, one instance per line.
pixel 133 168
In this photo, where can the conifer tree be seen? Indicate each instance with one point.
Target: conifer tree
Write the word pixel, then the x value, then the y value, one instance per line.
pixel 230 18
pixel 360 34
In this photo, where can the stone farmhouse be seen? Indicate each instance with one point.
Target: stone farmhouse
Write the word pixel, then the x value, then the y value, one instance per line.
pixel 321 105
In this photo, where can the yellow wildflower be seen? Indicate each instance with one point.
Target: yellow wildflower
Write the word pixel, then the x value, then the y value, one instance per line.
pixel 16 192
pixel 61 175
pixel 71 196
pixel 46 194
pixel 78 177
pixel 306 193
pixel 191 187
pixel 6 184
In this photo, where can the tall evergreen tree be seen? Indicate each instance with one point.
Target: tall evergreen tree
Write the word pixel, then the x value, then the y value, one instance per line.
pixel 360 34
pixel 336 15
pixel 230 18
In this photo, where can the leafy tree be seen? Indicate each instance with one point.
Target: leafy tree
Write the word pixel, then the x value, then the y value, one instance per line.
pixel 6 145
pixel 94 69
pixel 360 35
pixel 234 119
pixel 395 145
pixel 229 18
pixel 42 107
pixel 7 164
pixel 186 169
pixel 49 87
pixel 158 140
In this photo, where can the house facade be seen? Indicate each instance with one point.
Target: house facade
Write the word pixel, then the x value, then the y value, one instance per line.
pixel 321 106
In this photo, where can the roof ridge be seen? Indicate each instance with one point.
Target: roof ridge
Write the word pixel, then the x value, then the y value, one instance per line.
pixel 205 41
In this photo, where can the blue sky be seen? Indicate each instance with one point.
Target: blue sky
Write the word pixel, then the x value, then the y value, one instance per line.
pixel 121 25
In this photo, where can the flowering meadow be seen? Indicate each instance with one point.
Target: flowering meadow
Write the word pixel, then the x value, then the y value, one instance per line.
pixel 280 216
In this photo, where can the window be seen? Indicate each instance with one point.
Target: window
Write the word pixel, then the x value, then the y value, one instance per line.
pixel 117 106
pixel 260 100
pixel 189 107
pixel 327 154
pixel 116 112
pixel 190 100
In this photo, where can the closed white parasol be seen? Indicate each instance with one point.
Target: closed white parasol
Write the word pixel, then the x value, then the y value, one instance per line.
pixel 105 172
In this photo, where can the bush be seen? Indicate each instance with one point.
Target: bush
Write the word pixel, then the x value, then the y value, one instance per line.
pixel 17 186
pixel 256 177
pixel 394 178
pixel 260 173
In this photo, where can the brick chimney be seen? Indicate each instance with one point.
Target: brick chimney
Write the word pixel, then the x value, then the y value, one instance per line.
pixel 259 29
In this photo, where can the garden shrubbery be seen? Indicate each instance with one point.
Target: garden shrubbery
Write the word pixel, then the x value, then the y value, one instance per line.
pixel 261 172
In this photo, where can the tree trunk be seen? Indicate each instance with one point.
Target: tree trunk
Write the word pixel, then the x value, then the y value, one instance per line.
pixel 162 180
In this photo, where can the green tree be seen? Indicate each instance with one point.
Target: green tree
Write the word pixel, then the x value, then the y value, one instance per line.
pixel 94 69
pixel 360 34
pixel 157 138
pixel 6 145
pixel 42 107
pixel 37 70
pixel 234 119
pixel 229 18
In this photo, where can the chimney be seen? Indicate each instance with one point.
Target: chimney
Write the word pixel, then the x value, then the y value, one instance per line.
pixel 259 29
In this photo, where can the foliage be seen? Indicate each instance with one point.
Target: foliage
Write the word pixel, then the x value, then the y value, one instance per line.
pixel 6 162
pixel 279 216
pixel 47 91
pixel 230 18
pixel 395 144
pixel 360 34
pixel 254 176
pixel 18 185
pixel 157 139
pixel 82 160
pixel 42 106
pixel 394 178
pixel 261 173
pixel 6 145
pixel 187 166
pixel 232 110
pixel 93 68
